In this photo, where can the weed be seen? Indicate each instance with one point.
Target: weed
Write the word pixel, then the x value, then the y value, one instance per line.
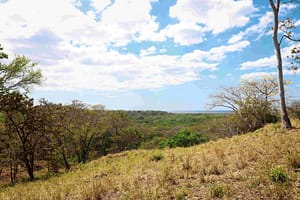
pixel 278 175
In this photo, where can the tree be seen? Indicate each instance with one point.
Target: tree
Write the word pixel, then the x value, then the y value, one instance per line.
pixel 24 126
pixel 84 125
pixel 57 141
pixel 285 26
pixel 19 75
pixel 252 103
pixel 16 110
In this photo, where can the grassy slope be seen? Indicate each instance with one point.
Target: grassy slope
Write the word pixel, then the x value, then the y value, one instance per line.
pixel 239 165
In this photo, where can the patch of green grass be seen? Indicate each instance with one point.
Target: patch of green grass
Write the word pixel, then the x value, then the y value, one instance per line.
pixel 278 175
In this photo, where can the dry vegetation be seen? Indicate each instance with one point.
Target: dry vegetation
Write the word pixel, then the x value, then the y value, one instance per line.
pixel 233 168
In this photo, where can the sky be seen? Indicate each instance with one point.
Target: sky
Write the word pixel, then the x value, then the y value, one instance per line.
pixel 145 54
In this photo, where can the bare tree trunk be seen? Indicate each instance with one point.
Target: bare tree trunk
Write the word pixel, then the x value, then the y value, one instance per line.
pixel 67 165
pixel 286 123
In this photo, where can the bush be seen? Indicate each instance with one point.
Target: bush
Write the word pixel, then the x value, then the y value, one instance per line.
pixel 278 175
pixel 185 138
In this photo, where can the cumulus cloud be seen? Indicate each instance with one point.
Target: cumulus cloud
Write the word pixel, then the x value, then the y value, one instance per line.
pixel 216 15
pixel 128 71
pixel 260 63
pixel 185 33
pixel 216 53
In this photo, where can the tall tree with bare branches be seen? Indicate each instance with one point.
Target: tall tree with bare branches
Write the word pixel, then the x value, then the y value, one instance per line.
pixel 285 26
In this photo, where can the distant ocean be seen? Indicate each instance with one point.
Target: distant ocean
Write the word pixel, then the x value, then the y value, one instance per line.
pixel 201 111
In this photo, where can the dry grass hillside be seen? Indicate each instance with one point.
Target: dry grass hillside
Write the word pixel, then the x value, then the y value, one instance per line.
pixel 261 165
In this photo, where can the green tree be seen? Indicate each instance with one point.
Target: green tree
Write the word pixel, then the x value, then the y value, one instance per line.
pixel 16 79
pixel 185 138
pixel 18 75
pixel 84 125
pixel 57 143
pixel 24 127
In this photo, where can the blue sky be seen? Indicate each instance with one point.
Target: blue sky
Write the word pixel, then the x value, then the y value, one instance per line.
pixel 144 54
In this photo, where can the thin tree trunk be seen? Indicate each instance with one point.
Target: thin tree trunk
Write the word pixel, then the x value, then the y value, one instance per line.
pixel 67 165
pixel 286 123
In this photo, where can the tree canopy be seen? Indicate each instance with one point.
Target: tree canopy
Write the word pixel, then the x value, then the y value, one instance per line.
pixel 18 75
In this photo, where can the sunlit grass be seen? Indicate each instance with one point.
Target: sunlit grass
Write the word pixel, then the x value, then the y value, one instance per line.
pixel 233 168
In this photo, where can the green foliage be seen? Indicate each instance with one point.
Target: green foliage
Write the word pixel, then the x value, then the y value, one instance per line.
pixel 217 191
pixel 19 75
pixel 184 138
pixel 278 175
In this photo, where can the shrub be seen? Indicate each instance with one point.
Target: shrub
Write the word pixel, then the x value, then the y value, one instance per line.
pixel 278 175
pixel 185 138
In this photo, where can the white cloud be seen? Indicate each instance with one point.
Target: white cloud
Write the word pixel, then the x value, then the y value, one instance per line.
pixel 237 37
pixel 260 63
pixel 269 62
pixel 217 15
pixel 216 53
pixel 257 75
pixel 135 23
pixel 121 72
pixel 185 33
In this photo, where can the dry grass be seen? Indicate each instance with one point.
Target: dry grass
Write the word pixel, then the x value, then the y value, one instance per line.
pixel 234 168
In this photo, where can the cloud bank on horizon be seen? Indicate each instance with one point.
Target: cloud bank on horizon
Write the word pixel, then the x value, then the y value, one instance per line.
pixel 117 45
